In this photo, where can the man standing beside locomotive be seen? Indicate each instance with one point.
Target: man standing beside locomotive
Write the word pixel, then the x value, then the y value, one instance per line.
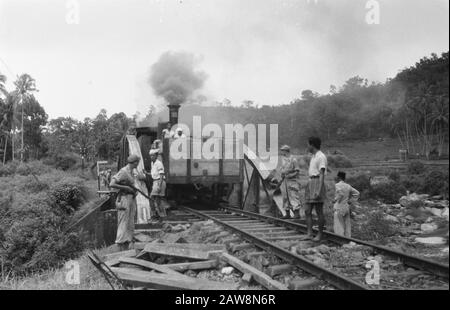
pixel 289 187
pixel 159 186
pixel 315 192
pixel 167 132
pixel 124 181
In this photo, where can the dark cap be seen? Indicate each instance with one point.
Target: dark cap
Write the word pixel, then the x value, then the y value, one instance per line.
pixel 341 175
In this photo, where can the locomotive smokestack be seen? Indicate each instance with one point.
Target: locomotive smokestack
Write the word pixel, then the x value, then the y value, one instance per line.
pixel 173 113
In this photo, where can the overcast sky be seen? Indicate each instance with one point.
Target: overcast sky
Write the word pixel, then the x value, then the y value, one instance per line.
pixel 263 50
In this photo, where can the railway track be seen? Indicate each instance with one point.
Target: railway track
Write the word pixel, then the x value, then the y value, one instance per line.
pixel 272 236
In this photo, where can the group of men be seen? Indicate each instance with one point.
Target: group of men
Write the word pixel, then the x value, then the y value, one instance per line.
pixel 124 182
pixel 315 191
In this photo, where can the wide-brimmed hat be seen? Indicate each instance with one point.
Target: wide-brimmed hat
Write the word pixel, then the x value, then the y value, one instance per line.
pixel 133 158
pixel 285 148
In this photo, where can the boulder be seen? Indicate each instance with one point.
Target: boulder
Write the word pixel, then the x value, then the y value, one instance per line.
pixel 436 211
pixel 444 213
pixel 431 240
pixel 441 204
pixel 227 270
pixel 408 200
pixel 377 180
pixel 409 218
pixel 391 218
pixel 428 227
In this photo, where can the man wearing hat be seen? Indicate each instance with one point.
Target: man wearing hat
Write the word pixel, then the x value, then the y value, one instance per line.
pixel 179 133
pixel 290 188
pixel 124 181
pixel 344 196
pixel 158 187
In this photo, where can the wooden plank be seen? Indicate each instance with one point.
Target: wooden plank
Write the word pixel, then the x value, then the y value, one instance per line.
pixel 147 264
pixel 116 255
pixel 279 269
pixel 186 250
pixel 168 281
pixel 207 264
pixel 258 276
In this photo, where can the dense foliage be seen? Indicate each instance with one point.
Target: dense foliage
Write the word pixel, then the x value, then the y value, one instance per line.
pixel 34 211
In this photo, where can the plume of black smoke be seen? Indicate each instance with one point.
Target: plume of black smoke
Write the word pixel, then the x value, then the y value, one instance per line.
pixel 175 78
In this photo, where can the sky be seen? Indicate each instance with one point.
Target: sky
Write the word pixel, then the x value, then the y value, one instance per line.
pixel 91 54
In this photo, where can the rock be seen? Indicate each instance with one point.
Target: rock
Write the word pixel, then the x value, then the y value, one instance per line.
pixel 409 200
pixel 429 220
pixel 320 261
pixel 349 245
pixel 409 218
pixel 436 211
pixel 391 218
pixel 444 214
pixel 246 278
pixel 431 240
pixel 177 228
pixel 376 180
pixel 323 249
pixel 428 227
pixel 444 250
pixel 300 284
pixel 436 204
pixel 143 238
pixel 284 244
pixel 227 270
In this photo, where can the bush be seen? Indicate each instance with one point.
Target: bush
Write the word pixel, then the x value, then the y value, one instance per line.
pixel 68 194
pixel 375 228
pixel 386 192
pixel 34 167
pixel 394 176
pixel 413 183
pixel 361 182
pixel 436 183
pixel 9 168
pixel 416 167
pixel 64 161
pixel 31 233
pixel 339 161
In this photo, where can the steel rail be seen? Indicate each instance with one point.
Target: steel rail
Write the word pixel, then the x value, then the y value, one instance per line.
pixel 409 260
pixel 329 276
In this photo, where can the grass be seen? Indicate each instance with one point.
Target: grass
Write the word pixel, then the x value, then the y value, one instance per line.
pixel 55 278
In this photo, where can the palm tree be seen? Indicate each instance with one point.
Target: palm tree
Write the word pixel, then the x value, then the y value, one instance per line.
pixel 2 85
pixel 25 84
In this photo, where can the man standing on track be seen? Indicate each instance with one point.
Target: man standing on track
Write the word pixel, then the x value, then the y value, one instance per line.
pixel 315 192
pixel 289 187
pixel 159 186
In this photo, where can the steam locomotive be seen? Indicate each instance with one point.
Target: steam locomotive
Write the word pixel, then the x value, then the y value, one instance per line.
pixel 188 179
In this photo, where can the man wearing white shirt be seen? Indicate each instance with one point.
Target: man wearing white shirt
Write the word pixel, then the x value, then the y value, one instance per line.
pixel 315 192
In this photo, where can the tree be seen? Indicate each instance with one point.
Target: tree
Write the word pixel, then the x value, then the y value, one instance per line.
pixel 308 95
pixel 247 104
pixel 35 119
pixel 25 85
